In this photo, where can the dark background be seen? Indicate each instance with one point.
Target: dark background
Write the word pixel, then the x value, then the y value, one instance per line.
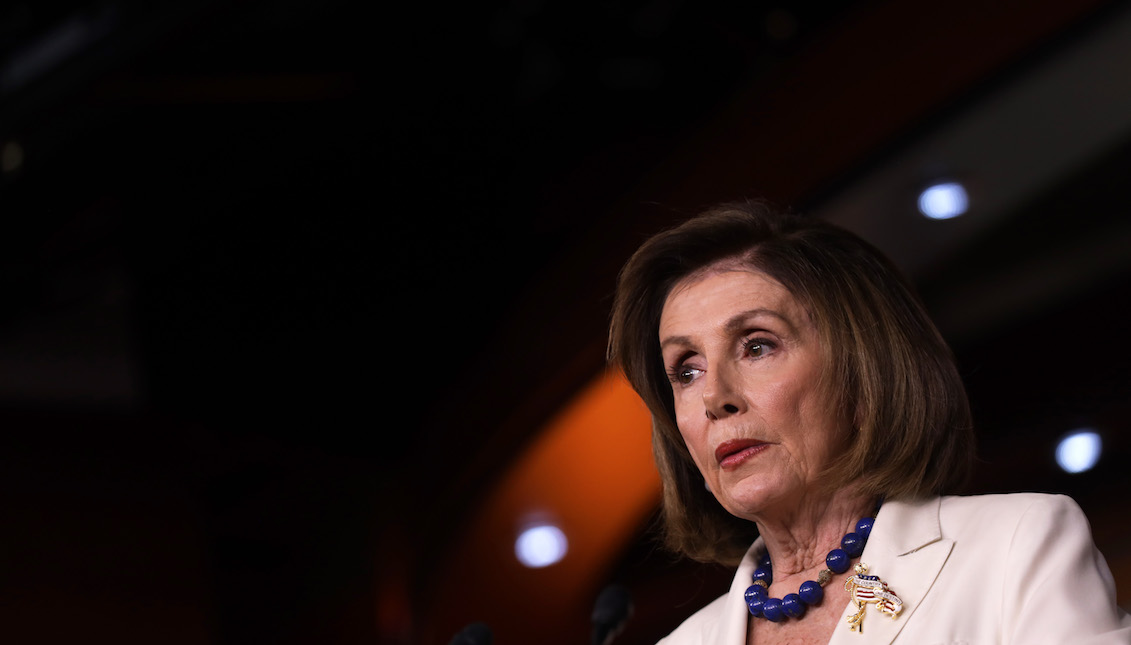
pixel 287 285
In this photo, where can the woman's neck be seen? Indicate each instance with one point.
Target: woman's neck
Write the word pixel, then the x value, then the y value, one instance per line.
pixel 799 538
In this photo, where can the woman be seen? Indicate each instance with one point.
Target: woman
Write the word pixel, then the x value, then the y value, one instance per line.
pixel 801 396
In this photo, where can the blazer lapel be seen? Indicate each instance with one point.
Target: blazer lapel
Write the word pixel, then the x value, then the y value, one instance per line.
pixel 732 629
pixel 906 550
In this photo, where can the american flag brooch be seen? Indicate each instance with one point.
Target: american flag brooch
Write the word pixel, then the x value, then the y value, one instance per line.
pixel 864 589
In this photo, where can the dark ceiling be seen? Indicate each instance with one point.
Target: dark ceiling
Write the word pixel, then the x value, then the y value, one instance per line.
pixel 288 284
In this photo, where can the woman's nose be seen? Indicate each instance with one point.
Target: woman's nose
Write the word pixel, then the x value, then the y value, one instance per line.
pixel 722 397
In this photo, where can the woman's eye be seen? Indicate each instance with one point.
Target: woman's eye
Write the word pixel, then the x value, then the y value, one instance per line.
pixel 683 375
pixel 756 348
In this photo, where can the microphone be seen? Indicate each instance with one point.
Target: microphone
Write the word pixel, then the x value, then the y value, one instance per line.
pixel 473 634
pixel 610 614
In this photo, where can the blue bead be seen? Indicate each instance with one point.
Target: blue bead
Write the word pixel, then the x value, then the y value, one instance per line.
pixel 756 604
pixel 792 606
pixel 771 609
pixel 811 592
pixel 756 591
pixel 764 561
pixel 853 544
pixel 864 527
pixel 837 560
pixel 765 574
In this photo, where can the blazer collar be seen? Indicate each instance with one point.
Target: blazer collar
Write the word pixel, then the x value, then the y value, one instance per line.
pixel 906 550
pixel 904 527
pixel 731 630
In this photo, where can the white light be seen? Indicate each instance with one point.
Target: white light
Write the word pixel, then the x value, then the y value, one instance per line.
pixel 541 546
pixel 944 201
pixel 11 156
pixel 1079 451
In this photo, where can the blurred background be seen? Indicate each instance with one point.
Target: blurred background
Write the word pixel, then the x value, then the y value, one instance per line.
pixel 304 303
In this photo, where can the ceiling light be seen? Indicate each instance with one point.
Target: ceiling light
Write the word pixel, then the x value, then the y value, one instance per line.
pixel 11 156
pixel 541 546
pixel 944 200
pixel 1079 451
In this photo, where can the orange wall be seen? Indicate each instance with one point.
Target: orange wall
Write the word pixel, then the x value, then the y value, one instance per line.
pixel 591 473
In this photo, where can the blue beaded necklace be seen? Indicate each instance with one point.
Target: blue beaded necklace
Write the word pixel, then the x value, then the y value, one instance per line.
pixel 811 592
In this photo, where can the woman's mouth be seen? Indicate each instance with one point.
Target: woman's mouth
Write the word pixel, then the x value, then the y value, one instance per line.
pixel 730 454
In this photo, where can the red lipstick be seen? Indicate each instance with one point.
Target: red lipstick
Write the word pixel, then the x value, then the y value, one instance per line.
pixel 730 454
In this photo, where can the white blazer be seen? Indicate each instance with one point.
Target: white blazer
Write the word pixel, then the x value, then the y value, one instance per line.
pixel 1005 569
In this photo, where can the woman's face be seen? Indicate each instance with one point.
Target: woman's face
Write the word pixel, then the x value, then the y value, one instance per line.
pixel 746 369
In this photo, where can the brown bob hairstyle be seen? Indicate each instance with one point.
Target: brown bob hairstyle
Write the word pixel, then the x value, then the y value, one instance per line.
pixel 891 371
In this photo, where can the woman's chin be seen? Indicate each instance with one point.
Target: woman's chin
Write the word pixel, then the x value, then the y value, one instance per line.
pixel 746 504
pixel 753 500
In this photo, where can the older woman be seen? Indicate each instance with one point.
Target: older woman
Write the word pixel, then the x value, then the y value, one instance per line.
pixel 801 396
